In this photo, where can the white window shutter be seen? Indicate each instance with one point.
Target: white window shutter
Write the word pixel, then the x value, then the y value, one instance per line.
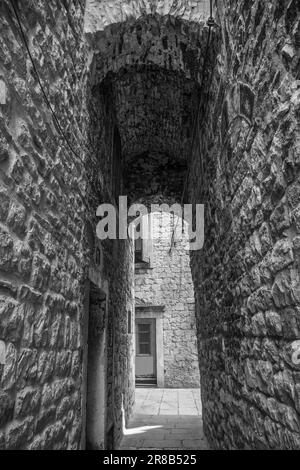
pixel 147 239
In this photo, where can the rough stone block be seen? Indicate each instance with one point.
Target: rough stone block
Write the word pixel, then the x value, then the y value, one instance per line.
pixel 28 294
pixel 63 407
pixel 4 204
pixel 284 386
pixel 19 434
pixel 46 365
pixel 6 251
pixel 27 402
pixel 6 408
pixel 42 328
pixel 41 271
pixel 273 323
pixel 8 379
pixel 16 219
pixel 24 260
pixel 11 320
pixel 27 367
pixel 4 150
pixel 2 441
pixel 45 417
pixel 281 256
pixel 54 434
pixel 63 363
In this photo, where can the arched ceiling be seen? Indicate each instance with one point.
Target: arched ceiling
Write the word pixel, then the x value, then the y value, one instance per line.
pixel 152 61
pixel 155 110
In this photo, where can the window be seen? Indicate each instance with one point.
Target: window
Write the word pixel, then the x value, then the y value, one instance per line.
pixel 138 250
pixel 144 339
pixel 129 322
pixel 143 246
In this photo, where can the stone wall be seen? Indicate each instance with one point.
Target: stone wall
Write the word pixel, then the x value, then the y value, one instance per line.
pixel 247 277
pixel 116 266
pixel 169 282
pixel 48 199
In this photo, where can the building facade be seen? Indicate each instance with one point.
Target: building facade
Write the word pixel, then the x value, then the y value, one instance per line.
pixel 165 308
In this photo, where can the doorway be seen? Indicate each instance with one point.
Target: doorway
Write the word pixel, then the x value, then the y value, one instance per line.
pixel 96 360
pixel 145 359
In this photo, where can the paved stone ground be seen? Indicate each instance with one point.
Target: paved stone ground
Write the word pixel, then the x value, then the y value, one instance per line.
pixel 166 419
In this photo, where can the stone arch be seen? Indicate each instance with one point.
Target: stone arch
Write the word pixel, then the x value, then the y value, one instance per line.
pixel 156 69
pixel 99 15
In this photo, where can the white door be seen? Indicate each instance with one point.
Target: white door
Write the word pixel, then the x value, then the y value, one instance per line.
pixel 145 360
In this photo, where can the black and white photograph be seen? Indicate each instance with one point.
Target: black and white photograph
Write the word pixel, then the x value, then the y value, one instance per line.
pixel 149 228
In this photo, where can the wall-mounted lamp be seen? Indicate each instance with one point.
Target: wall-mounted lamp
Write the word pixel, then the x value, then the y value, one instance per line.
pixel 211 21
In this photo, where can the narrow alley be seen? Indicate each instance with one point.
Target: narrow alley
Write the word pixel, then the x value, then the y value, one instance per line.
pixel 166 419
pixel 116 116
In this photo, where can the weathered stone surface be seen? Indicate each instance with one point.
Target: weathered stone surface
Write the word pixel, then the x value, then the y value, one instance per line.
pixel 274 323
pixel 248 275
pixel 4 150
pixel 11 320
pixel 16 218
pixel 19 434
pixel 46 365
pixel 8 378
pixel 6 251
pixel 6 408
pixel 4 205
pixel 45 417
pixel 2 441
pixel 26 367
pixel 27 402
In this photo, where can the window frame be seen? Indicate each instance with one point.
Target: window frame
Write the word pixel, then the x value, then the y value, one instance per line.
pixel 146 243
pixel 139 343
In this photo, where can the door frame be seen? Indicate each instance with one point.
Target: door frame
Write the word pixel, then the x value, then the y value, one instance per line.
pixel 152 323
pixel 95 278
pixel 155 312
